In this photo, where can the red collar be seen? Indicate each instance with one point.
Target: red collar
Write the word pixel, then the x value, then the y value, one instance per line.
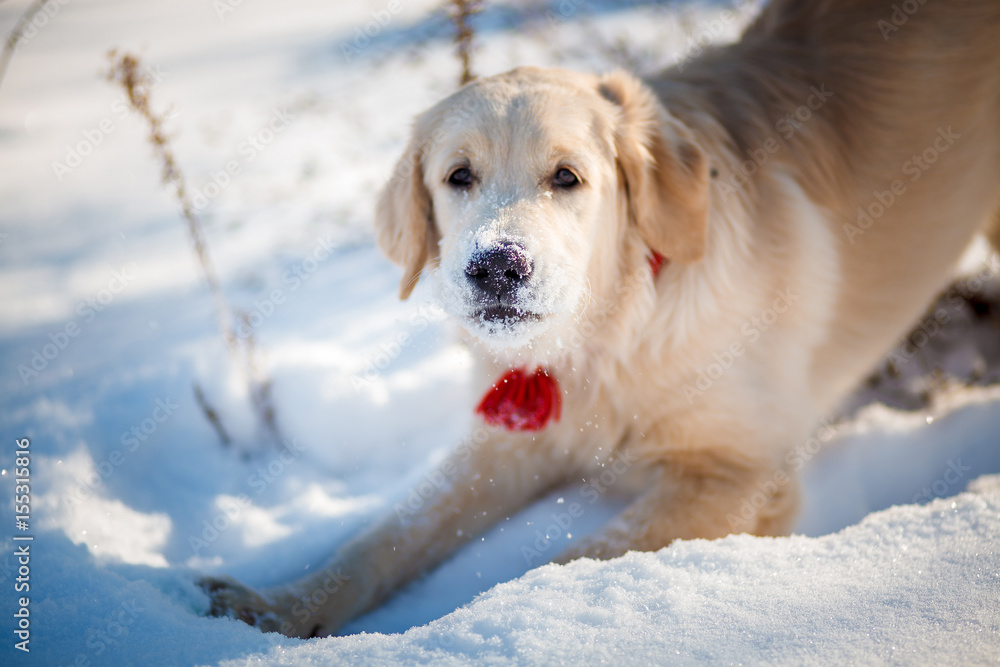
pixel 522 402
pixel 655 263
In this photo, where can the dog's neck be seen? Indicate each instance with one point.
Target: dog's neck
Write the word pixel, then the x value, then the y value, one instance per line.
pixel 524 399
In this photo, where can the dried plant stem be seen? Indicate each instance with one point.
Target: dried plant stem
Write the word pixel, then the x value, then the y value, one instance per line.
pixel 212 415
pixel 461 12
pixel 260 386
pixel 10 45
pixel 125 70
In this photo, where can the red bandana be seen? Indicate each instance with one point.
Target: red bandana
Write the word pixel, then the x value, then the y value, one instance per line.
pixel 522 402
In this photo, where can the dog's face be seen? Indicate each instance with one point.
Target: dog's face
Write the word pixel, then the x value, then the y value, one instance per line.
pixel 520 190
pixel 521 186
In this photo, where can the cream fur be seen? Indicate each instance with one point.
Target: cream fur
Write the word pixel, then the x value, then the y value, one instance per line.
pixel 693 389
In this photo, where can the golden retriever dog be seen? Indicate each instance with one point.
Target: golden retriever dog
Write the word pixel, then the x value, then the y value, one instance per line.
pixel 669 282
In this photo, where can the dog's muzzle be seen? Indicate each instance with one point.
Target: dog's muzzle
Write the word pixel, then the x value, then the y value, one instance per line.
pixel 497 275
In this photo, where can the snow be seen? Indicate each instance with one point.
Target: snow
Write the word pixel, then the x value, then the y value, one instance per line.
pixel 875 595
pixel 133 495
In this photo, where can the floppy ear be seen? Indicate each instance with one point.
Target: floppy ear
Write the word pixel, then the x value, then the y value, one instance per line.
pixel 666 172
pixel 404 219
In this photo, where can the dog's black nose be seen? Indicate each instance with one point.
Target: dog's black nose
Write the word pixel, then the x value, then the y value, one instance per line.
pixel 500 270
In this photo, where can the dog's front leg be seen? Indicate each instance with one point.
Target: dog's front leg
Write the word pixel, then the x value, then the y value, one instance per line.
pixel 698 496
pixel 476 486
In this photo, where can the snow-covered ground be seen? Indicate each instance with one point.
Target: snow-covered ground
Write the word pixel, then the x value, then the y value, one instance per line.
pixel 106 327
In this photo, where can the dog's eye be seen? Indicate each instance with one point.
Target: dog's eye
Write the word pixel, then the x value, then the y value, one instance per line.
pixel 564 178
pixel 460 178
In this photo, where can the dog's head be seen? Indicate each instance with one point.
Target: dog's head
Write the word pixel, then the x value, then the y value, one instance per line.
pixel 523 191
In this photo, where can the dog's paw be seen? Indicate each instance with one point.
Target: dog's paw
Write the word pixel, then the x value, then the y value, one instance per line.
pixel 232 599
